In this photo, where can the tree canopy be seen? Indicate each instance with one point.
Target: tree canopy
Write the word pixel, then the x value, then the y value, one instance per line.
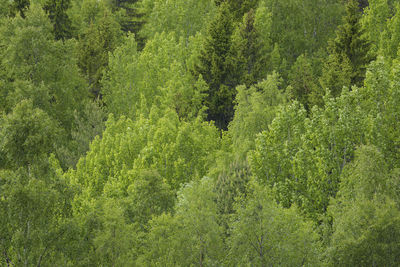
pixel 199 133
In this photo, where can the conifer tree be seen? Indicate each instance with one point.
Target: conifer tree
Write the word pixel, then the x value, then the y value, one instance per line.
pixel 302 83
pixel 132 18
pixel 239 7
pixel 349 52
pixel 20 6
pixel 56 10
pixel 100 38
pixel 213 68
pixel 248 59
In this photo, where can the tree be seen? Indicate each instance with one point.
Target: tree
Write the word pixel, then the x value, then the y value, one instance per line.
pixel 214 70
pixel 311 25
pixel 365 213
pixel 133 15
pixel 272 159
pixel 57 12
pixel 302 83
pixel 28 134
pixel 247 61
pixel 183 18
pixel 336 74
pixel 263 233
pixel 375 22
pixel 192 236
pixel 157 76
pixel 148 196
pixel 100 38
pixel 39 68
pixel 366 233
pixel 255 109
pixel 350 49
pixel 20 6
pixel 240 7
pixel 5 9
pixel 390 34
pixel 36 224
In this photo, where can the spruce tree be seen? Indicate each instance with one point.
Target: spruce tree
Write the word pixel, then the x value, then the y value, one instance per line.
pixel 100 38
pixel 302 83
pixel 248 58
pixel 213 68
pixel 349 53
pixel 20 6
pixel 57 12
pixel 231 58
pixel 239 7
pixel 132 18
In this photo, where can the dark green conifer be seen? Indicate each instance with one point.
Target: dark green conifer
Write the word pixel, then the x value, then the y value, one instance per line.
pixel 57 12
pixel 132 18
pixel 248 59
pixel 19 6
pixel 239 7
pixel 349 53
pixel 302 83
pixel 214 70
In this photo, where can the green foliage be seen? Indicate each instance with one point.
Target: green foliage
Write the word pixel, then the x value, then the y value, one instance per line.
pixel 302 159
pixel 375 20
pixel 365 217
pixel 4 9
pixel 57 12
pixel 366 233
pixel 230 184
pixel 389 42
pixel 349 49
pixel 382 95
pixel 178 151
pixel 249 50
pixel 131 17
pixel 304 153
pixel 157 76
pixel 27 135
pixel 263 233
pixel 119 80
pixel 110 157
pixel 336 74
pixel 192 236
pixel 20 6
pixel 88 123
pixel 36 210
pixel 38 68
pixel 239 7
pixel 311 24
pixel 303 85
pixel 255 109
pixel 100 38
pixel 184 18
pixel 271 161
pixel 214 70
pixel 148 196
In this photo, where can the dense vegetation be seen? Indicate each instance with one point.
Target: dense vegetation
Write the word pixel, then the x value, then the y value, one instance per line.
pixel 199 133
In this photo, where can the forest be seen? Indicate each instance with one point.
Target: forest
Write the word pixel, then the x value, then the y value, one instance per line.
pixel 199 133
